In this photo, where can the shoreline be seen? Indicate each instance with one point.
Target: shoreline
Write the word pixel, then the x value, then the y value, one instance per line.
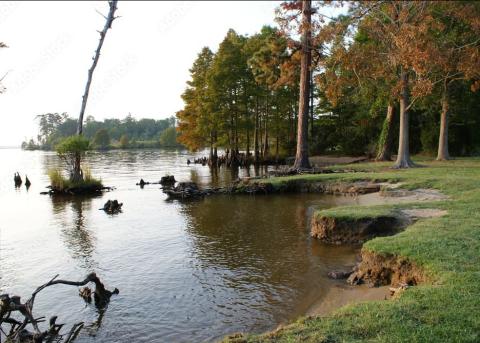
pixel 342 295
pixel 430 270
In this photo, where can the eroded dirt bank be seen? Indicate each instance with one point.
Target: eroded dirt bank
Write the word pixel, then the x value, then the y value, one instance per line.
pixel 377 269
pixel 355 231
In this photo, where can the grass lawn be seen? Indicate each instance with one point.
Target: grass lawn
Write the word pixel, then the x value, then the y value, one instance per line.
pixel 357 212
pixel 446 309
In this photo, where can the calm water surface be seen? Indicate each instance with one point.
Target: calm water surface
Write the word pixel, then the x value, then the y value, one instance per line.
pixel 187 272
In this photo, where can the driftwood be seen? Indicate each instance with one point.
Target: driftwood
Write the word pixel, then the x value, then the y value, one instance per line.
pixel 18 329
pixel 167 180
pixel 185 190
pixel 80 190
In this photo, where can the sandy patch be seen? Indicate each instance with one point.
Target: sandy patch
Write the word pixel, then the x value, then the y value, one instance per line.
pixel 343 294
pixel 419 213
pixel 421 194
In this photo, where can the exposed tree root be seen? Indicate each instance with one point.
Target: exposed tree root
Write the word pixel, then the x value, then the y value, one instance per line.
pixel 18 329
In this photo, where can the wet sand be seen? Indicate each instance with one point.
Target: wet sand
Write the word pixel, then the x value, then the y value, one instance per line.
pixel 343 294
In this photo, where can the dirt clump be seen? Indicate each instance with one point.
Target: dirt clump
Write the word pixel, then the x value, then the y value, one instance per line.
pixel 386 269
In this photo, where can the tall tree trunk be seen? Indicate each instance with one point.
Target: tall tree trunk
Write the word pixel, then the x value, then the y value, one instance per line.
pixel 236 125
pixel 247 120
pixel 255 135
pixel 403 157
pixel 215 152
pixel 443 138
pixel 292 129
pixel 210 157
pixel 248 143
pixel 311 106
pixel 265 137
pixel 236 136
pixel 385 141
pixel 231 138
pixel 77 170
pixel 277 142
pixel 301 158
pixel 260 134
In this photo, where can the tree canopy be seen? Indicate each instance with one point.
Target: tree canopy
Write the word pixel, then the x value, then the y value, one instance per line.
pixel 127 132
pixel 386 76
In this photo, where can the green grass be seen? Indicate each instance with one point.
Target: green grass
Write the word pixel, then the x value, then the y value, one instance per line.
pixel 59 182
pixel 447 309
pixel 357 212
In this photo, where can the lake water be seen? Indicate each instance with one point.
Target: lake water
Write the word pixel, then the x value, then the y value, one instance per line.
pixel 187 271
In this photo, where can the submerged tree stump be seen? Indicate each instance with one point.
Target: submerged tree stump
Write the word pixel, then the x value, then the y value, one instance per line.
pixel 168 180
pixel 112 207
pixel 17 179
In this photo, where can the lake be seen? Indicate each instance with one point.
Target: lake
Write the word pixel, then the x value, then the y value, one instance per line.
pixel 187 271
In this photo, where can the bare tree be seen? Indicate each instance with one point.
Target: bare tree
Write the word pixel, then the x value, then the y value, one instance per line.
pixel 77 171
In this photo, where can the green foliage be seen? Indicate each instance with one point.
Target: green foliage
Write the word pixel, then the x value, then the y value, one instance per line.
pixel 238 88
pixel 54 127
pixel 71 150
pixel 57 180
pixel 30 145
pixel 124 142
pixel 168 138
pixel 73 145
pixel 101 140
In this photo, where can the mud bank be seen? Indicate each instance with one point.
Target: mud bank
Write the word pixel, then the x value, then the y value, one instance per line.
pixel 377 269
pixel 351 188
pixel 334 230
pixel 256 187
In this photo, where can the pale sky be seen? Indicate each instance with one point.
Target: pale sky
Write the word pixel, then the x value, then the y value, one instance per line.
pixel 143 67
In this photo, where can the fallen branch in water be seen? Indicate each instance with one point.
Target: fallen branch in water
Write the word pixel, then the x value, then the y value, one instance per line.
pixel 19 333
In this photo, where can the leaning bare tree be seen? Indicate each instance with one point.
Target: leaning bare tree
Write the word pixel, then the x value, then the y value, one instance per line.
pixel 16 329
pixel 77 174
pixel 2 88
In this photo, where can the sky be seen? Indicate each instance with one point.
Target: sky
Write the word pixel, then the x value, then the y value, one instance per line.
pixel 143 66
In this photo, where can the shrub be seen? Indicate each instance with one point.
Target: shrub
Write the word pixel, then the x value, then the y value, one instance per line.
pixel 101 140
pixel 71 148
pixel 57 180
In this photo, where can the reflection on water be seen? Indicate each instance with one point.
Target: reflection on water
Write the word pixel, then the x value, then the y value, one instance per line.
pixel 78 239
pixel 191 271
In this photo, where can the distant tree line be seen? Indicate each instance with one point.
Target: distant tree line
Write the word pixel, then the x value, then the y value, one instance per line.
pixel 109 133
pixel 383 75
